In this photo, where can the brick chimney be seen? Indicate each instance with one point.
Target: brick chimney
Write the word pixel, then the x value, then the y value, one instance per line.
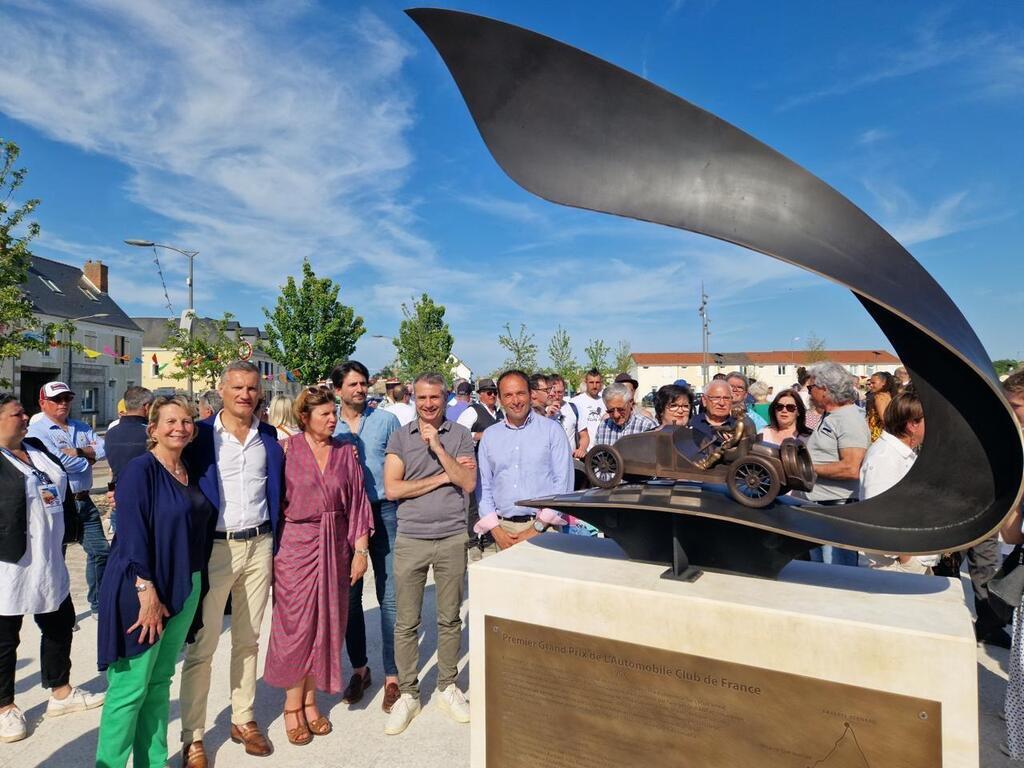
pixel 96 273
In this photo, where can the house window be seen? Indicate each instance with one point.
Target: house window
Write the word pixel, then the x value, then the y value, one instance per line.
pixel 154 368
pixel 782 370
pixel 50 284
pixel 89 294
pixel 90 397
pixel 121 350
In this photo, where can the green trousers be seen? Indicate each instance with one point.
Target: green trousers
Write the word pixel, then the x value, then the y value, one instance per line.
pixel 134 720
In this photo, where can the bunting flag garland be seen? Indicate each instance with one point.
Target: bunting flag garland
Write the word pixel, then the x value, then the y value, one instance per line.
pixel 155 360
pixel 108 351
pixel 91 353
pixel 137 361
pixel 289 376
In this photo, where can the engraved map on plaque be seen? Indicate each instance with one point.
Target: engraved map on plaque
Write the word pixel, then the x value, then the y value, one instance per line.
pixel 559 699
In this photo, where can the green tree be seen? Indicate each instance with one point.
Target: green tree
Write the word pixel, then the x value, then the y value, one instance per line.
pixel 20 329
pixel 309 329
pixel 623 357
pixel 815 349
pixel 522 351
pixel 1004 367
pixel 212 346
pixel 596 353
pixel 562 359
pixel 424 341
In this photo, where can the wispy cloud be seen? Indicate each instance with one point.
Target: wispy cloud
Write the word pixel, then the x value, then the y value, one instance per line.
pixel 504 209
pixel 872 136
pixel 257 150
pixel 911 221
pixel 995 57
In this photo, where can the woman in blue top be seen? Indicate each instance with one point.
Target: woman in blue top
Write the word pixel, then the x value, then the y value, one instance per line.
pixel 151 588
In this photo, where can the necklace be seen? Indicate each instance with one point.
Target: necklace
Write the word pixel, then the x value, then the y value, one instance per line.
pixel 179 473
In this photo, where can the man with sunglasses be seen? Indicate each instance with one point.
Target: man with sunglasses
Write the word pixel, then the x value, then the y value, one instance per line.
pixel 78 448
pixel 621 421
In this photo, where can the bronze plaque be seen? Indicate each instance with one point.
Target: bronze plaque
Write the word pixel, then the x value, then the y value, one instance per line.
pixel 558 699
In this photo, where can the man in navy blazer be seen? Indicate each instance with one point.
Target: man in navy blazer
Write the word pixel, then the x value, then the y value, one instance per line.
pixel 240 467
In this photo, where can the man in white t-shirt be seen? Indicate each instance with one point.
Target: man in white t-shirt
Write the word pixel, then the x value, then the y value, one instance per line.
pixel 589 402
pixel 399 403
pixel 568 415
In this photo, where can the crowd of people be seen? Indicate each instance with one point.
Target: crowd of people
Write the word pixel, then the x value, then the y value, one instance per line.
pixel 232 502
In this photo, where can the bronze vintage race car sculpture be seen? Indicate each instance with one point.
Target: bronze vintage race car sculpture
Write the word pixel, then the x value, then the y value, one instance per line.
pixel 755 472
pixel 578 131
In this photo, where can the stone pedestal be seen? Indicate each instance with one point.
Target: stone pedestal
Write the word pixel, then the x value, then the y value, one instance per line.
pixel 580 658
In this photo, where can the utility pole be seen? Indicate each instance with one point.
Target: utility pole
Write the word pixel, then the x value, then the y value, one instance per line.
pixel 705 322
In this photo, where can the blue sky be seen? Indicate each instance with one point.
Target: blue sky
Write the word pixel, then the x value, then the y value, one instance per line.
pixel 262 133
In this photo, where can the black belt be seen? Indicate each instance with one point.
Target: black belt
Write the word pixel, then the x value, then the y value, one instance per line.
pixel 245 533
pixel 520 519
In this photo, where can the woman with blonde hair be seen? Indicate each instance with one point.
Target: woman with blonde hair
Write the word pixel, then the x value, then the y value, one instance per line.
pixel 282 417
pixel 151 588
pixel 323 551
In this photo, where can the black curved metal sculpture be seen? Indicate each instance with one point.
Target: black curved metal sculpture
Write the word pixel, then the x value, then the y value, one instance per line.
pixel 578 131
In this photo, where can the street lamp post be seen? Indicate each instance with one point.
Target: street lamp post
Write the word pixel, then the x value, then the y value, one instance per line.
pixel 191 304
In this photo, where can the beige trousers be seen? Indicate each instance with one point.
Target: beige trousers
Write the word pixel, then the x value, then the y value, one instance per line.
pixel 413 558
pixel 243 570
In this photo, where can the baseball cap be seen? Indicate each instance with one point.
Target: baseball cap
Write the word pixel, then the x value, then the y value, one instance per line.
pixel 486 384
pixel 625 378
pixel 53 389
pixel 464 388
pixel 682 383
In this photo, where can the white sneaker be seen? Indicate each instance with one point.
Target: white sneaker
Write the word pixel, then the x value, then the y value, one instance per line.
pixel 453 701
pixel 402 713
pixel 76 701
pixel 12 725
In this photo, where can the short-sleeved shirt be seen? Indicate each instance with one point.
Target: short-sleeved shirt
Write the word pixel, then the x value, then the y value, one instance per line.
pixel 442 512
pixel 845 427
pixel 375 429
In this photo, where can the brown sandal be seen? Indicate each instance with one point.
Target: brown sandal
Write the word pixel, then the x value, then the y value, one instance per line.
pixel 300 735
pixel 321 726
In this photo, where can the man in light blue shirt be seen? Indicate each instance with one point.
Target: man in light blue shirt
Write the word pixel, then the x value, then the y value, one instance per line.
pixel 78 448
pixel 369 430
pixel 521 457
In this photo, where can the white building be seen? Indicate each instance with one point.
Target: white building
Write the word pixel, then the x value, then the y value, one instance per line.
pixel 777 369
pixel 111 359
pixel 459 369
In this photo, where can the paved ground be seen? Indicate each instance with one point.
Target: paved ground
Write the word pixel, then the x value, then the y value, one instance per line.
pixel 358 739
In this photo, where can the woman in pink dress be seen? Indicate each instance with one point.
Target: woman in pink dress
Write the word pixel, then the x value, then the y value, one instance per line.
pixel 323 550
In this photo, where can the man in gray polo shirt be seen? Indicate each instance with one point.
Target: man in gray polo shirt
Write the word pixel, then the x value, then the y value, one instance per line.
pixel 837 447
pixel 429 468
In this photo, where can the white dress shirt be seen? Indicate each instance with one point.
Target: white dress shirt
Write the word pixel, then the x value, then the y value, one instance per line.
pixel 405 412
pixel 241 477
pixel 886 463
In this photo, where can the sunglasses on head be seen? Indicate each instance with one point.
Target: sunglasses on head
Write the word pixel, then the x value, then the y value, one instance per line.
pixel 317 390
pixel 787 407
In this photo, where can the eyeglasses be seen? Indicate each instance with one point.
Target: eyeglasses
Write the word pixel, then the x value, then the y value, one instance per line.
pixel 613 411
pixel 718 399
pixel 539 389
pixel 737 388
pixel 788 407
pixel 677 407
pixel 813 386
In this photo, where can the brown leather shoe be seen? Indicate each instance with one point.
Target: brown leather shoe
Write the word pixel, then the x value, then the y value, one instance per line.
pixel 391 695
pixel 256 744
pixel 356 687
pixel 193 755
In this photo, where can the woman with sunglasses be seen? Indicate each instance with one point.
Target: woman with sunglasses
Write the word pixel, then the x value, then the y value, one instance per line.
pixel 323 551
pixel 38 516
pixel 787 418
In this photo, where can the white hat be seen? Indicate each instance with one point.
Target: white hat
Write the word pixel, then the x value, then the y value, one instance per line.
pixel 52 389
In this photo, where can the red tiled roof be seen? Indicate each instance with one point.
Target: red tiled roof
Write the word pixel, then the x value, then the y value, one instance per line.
pixel 776 357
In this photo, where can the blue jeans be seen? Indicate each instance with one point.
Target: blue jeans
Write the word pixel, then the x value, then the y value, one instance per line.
pixel 96 549
pixel 826 553
pixel 382 548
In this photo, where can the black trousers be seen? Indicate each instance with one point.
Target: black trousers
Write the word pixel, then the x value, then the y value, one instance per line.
pixel 983 561
pixel 54 648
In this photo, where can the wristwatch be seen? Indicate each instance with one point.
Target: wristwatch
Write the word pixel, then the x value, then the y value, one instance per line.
pixel 538 526
pixel 363 552
pixel 141 587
